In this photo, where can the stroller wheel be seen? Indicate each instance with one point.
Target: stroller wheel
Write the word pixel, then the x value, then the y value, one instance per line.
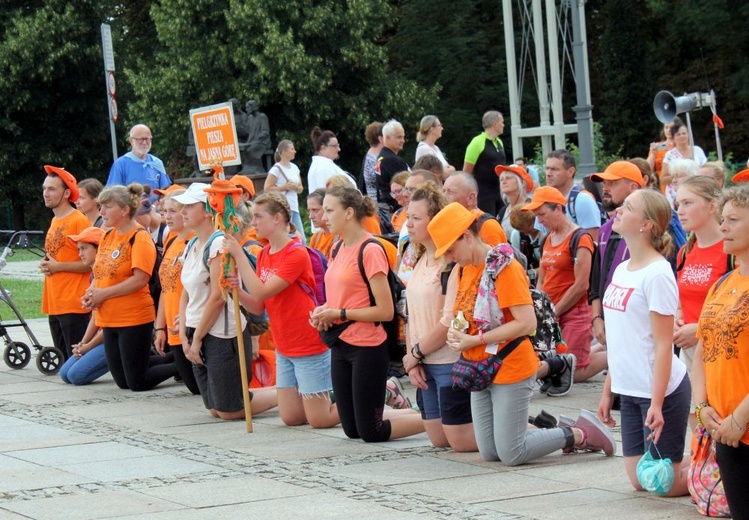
pixel 49 360
pixel 17 355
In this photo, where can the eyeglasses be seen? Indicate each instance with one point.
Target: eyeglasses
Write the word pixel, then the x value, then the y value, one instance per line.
pixel 142 139
pixel 333 145
pixel 408 190
pixel 395 194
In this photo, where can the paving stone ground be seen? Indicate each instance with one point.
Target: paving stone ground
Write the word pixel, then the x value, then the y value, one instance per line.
pixel 100 452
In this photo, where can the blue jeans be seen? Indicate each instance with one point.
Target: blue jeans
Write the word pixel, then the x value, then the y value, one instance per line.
pixel 296 219
pixel 85 369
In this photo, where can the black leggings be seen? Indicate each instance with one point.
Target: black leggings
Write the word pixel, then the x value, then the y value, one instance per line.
pixel 359 375
pixel 184 367
pixel 128 351
pixel 734 470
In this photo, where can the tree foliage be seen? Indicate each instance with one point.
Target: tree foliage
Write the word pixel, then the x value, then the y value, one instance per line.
pixel 307 63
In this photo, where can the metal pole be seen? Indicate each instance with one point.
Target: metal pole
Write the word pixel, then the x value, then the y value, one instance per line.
pixel 112 132
pixel 584 109
pixel 543 87
pixel 512 80
pixel 556 77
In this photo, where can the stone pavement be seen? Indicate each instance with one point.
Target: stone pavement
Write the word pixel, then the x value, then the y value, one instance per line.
pixel 100 452
pixel 27 270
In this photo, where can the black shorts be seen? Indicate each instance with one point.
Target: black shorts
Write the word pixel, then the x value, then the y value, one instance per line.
pixel 219 378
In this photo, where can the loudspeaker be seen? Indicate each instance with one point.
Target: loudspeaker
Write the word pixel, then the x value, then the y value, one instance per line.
pixel 666 106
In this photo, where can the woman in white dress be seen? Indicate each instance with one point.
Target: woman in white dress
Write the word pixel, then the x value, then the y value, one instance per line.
pixel 430 129
pixel 284 177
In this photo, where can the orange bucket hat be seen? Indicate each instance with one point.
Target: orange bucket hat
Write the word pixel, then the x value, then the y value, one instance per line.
pixel 448 225
pixel 90 235
pixel 241 181
pixel 517 170
pixel 170 189
pixel 546 194
pixel 67 178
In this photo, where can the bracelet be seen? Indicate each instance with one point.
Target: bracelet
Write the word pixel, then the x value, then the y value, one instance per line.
pixel 596 317
pixel 343 315
pixel 736 425
pixel 416 353
pixel 698 410
pixel 481 336
pixel 159 329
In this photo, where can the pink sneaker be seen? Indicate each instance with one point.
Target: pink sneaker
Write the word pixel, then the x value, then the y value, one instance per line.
pixel 394 396
pixel 596 437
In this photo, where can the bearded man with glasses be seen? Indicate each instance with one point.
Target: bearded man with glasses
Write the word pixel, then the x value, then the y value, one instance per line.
pixel 138 165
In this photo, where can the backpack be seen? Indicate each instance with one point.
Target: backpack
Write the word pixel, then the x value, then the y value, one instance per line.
pixel 548 334
pixel 319 268
pixel 258 323
pixel 394 328
pixel 154 284
pixel 574 243
pixel 577 190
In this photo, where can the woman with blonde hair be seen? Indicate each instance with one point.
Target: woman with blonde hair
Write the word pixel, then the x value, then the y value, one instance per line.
pixel 446 410
pixel 430 130
pixel 714 169
pixel 284 178
pixel 639 307
pixel 119 296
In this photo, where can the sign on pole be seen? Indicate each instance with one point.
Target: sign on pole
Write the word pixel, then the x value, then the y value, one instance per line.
pixel 215 135
pixel 107 51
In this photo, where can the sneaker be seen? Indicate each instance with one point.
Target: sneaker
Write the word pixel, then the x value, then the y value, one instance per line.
pixel 544 420
pixel 596 437
pixel 394 396
pixel 563 381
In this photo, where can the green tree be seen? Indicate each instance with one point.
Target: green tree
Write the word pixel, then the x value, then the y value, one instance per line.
pixel 54 108
pixel 307 63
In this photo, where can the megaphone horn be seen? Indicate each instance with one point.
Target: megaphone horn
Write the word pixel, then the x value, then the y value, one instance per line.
pixel 666 106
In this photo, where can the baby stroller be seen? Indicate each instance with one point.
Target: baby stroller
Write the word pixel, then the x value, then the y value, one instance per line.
pixel 18 354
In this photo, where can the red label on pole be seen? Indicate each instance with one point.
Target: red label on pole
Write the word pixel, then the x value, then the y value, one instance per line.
pixel 113 109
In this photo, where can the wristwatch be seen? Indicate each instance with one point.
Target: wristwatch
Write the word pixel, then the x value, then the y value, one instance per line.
pixel 416 352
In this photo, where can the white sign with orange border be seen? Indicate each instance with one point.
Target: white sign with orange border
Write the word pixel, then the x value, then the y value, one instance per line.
pixel 215 135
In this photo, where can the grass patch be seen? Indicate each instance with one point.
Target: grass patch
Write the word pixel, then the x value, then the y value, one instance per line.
pixel 27 296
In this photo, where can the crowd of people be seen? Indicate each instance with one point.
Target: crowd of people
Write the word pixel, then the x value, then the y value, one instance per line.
pixel 647 273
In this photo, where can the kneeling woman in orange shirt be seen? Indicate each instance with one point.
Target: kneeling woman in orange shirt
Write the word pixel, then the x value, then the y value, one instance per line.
pixel 119 296
pixel 500 411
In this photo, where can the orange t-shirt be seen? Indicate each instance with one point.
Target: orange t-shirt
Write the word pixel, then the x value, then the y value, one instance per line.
pixel 559 267
pixel 323 242
pixel 372 225
pixel 346 289
pixel 62 291
pixel 390 250
pixel 660 154
pixel 398 219
pixel 115 261
pixel 171 282
pixel 491 232
pixel 726 355
pixel 512 290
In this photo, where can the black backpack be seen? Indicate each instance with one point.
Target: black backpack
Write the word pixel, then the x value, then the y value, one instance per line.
pixel 396 347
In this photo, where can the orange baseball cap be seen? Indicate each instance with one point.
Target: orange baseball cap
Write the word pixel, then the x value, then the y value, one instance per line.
pixel 448 225
pixel 170 189
pixel 241 181
pixel 90 235
pixel 742 176
pixel 67 178
pixel 620 170
pixel 517 170
pixel 543 195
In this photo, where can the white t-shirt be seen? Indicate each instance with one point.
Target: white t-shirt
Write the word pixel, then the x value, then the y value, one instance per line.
pixel 194 277
pixel 320 170
pixel 284 175
pixel 627 304
pixel 424 149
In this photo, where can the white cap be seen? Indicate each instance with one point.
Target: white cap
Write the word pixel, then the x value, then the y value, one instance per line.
pixel 194 194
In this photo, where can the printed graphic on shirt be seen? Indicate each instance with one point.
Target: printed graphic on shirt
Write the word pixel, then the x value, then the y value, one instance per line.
pixel 169 275
pixel 550 260
pixel 56 240
pixel 108 261
pixel 697 274
pixel 616 297
pixel 721 325
pixel 266 273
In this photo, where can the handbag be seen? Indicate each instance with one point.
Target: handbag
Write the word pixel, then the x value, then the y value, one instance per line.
pixel 703 477
pixel 475 376
pixel 330 336
pixel 655 475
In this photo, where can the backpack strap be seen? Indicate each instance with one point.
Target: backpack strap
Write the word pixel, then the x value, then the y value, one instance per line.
pixel 572 197
pixel 169 243
pixel 337 248
pixel 721 280
pixel 484 217
pixel 207 247
pixel 160 237
pixel 683 259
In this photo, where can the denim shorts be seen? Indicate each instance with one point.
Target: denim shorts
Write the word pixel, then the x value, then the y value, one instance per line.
pixel 309 374
pixel 441 400
pixel 675 415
